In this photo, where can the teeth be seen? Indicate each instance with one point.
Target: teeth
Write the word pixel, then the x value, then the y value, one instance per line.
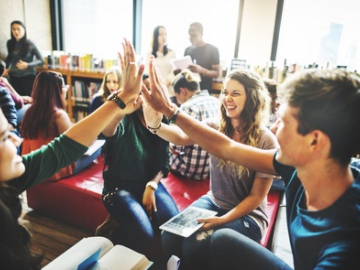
pixel 230 107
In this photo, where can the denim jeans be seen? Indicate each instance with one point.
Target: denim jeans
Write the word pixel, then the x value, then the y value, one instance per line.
pixel 232 250
pixel 194 250
pixel 135 229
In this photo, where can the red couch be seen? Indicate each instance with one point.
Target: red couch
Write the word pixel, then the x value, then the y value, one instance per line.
pixel 77 199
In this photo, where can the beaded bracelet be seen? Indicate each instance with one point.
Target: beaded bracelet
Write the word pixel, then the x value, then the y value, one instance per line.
pixel 154 130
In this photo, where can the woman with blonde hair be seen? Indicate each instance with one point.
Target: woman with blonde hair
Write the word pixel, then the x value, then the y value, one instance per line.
pixel 111 83
pixel 237 194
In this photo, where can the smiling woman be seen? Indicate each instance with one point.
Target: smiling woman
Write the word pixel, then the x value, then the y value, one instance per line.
pixel 19 173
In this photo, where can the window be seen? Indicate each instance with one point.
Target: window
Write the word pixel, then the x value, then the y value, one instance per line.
pixel 322 32
pixel 219 19
pixel 97 26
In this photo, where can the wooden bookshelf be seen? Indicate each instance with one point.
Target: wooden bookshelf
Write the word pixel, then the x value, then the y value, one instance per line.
pixel 69 76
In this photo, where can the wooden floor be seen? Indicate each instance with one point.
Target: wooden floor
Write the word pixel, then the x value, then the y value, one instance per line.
pixel 49 236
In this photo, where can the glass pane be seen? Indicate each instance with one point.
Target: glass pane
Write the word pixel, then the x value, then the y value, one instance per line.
pixel 97 26
pixel 219 21
pixel 324 32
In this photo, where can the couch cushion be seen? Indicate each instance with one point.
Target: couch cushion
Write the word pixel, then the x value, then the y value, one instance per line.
pixel 76 199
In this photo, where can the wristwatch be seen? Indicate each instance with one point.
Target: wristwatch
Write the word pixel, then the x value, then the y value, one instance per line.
pixel 153 185
pixel 114 97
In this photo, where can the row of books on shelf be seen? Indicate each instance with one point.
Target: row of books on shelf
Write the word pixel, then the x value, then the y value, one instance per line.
pixel 83 93
pixel 77 62
pixel 272 70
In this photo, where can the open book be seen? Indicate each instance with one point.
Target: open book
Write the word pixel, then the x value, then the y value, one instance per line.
pixel 99 253
pixel 185 223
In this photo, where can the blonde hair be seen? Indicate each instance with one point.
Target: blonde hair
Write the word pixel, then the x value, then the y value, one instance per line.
pixel 104 91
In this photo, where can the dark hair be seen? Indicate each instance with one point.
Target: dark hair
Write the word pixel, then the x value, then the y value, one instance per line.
pixel 25 44
pixel 198 26
pixel 155 42
pixel 329 101
pixel 271 86
pixel 187 80
pixel 15 252
pixel 47 98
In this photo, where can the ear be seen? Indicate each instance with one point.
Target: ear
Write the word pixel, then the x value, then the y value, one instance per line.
pixel 183 91
pixel 318 140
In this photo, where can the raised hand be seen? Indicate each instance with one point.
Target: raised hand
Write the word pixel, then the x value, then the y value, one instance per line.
pixel 132 74
pixel 152 117
pixel 158 97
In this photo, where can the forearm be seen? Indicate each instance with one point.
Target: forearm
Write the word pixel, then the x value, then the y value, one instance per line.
pixel 110 129
pixel 223 147
pixel 211 73
pixel 243 208
pixel 174 135
pixel 88 129
pixel 39 57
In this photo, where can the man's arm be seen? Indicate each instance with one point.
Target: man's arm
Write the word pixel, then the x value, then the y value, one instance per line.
pixel 209 139
pixel 223 147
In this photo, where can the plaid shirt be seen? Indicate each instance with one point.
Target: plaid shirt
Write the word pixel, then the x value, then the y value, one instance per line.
pixel 192 161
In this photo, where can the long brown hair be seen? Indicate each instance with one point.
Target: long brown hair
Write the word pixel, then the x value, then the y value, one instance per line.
pixel 47 98
pixel 255 113
pixel 104 91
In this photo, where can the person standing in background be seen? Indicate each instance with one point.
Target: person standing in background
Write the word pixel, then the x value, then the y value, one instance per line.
pixel 20 62
pixel 206 57
pixel 163 55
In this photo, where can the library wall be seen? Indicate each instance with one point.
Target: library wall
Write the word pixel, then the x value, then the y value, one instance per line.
pixel 257 30
pixel 36 16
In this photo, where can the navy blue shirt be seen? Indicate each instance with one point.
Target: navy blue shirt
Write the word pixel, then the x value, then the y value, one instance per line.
pixel 325 239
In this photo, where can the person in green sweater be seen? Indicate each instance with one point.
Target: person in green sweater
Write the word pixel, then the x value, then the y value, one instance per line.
pixel 135 162
pixel 18 173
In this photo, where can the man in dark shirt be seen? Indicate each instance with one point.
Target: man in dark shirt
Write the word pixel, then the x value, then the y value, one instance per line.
pixel 205 57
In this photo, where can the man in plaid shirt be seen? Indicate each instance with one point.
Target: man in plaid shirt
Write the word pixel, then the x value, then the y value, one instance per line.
pixel 192 161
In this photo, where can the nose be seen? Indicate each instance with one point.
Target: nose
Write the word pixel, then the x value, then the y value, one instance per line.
pixel 15 139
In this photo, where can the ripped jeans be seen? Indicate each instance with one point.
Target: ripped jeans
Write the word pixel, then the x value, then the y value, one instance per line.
pixel 194 250
pixel 135 229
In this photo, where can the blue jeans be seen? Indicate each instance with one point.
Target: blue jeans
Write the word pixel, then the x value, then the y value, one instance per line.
pixel 135 229
pixel 194 250
pixel 232 250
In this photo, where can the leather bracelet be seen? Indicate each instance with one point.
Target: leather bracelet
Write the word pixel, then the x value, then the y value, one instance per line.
pixel 114 97
pixel 154 130
pixel 172 119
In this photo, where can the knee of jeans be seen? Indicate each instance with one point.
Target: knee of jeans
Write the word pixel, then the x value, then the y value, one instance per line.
pixel 171 243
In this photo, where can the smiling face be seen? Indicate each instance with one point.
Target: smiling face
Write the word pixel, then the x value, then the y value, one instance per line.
pixel 18 31
pixel 233 98
pixel 11 165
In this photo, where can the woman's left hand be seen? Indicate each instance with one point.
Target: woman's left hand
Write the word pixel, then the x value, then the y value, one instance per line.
pixel 22 65
pixel 149 201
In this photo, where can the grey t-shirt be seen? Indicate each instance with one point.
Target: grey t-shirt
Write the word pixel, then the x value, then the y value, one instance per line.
pixel 227 190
